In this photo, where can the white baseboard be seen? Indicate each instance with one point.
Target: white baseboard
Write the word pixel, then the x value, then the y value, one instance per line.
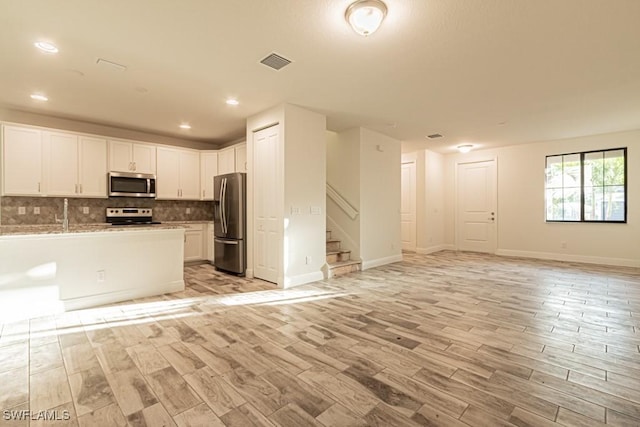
pixel 302 279
pixel 622 262
pixel 111 297
pixel 381 261
pixel 437 248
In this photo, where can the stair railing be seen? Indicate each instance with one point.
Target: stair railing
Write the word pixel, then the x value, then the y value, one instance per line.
pixel 342 202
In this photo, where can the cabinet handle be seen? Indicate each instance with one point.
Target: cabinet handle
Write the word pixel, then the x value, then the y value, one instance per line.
pixel 130 166
pixel 80 188
pixel 203 194
pixel 76 191
pixel 38 187
pixel 135 166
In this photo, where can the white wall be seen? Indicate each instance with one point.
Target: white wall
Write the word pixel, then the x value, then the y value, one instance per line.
pixel 301 185
pixel 343 174
pixel 305 165
pixel 522 230
pixel 380 163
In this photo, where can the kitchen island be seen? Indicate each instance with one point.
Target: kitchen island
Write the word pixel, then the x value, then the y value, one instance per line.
pixel 88 266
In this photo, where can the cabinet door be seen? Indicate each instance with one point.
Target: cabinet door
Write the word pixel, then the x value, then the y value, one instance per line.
pixel 208 169
pixel 144 158
pixel 22 161
pixel 168 174
pixel 120 156
pixel 193 241
pixel 93 167
pixel 190 175
pixel 62 164
pixel 241 158
pixel 209 242
pixel 226 161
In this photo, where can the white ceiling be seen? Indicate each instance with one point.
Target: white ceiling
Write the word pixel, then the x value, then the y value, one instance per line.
pixel 487 72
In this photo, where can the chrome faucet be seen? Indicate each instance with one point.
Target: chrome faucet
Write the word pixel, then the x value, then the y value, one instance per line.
pixel 65 217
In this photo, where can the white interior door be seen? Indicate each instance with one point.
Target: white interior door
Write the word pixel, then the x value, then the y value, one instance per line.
pixel 476 225
pixel 267 216
pixel 408 206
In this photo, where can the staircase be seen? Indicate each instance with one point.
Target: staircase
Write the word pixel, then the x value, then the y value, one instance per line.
pixel 338 260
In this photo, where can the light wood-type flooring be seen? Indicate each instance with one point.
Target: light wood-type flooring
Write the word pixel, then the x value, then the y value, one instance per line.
pixel 449 339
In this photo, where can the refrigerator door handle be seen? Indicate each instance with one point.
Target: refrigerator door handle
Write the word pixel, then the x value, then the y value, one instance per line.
pixel 227 242
pixel 224 208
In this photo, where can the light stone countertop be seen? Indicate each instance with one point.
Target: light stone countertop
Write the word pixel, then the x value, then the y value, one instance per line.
pixel 12 230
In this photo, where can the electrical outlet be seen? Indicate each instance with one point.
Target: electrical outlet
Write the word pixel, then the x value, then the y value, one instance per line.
pixel 188 211
pixel 563 244
pixel 85 210
pixel 307 259
pixel 101 275
pixel 22 210
pixel 36 210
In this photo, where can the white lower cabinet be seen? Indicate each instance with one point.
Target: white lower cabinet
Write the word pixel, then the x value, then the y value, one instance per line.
pixel 210 245
pixel 195 246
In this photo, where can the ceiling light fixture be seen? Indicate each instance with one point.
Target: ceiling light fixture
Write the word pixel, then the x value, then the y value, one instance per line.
pixel 46 47
pixel 365 16
pixel 232 101
pixel 465 148
pixel 39 97
pixel 185 126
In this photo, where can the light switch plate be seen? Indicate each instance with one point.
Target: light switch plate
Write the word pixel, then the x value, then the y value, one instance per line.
pixel 295 210
pixel 316 210
pixel 36 210
pixel 85 210
pixel 22 210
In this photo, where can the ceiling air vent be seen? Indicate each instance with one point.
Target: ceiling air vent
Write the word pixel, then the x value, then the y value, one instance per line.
pixel 275 61
pixel 434 136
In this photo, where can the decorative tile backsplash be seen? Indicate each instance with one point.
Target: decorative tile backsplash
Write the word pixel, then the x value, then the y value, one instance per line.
pixel 163 210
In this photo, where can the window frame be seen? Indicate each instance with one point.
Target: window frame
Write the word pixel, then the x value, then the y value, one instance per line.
pixel 582 187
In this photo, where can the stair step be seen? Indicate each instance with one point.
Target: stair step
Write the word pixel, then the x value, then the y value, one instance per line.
pixel 333 245
pixel 344 267
pixel 338 256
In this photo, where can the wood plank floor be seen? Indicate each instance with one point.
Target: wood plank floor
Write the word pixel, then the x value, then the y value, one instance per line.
pixel 448 339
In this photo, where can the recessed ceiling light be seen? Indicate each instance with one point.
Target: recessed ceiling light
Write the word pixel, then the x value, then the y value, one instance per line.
pixel 185 126
pixel 46 47
pixel 465 148
pixel 232 101
pixel 39 97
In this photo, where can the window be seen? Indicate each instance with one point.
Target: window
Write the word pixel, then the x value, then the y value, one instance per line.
pixel 587 187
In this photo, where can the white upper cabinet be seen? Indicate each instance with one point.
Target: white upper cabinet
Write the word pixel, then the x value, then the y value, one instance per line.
pixel 190 175
pixel 208 169
pixel 92 169
pixel 61 163
pixel 226 161
pixel 22 173
pixel 127 156
pixel 76 165
pixel 178 174
pixel 52 163
pixel 241 158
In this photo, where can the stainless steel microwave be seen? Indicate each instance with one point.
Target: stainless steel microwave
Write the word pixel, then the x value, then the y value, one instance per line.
pixel 124 184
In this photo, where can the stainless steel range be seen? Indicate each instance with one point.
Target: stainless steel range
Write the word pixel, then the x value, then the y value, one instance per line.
pixel 130 216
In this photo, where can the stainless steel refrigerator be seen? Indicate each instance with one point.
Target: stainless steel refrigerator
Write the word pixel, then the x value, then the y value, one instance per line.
pixel 230 222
